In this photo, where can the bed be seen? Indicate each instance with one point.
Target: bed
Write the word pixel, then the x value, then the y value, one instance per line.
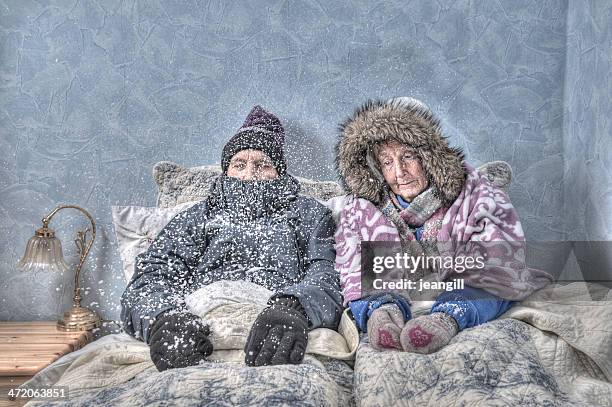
pixel 552 349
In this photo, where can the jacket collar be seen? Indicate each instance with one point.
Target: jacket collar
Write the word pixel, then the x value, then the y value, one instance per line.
pixel 252 199
pixel 413 125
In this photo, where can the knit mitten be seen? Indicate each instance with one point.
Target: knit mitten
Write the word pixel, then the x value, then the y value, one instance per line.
pixel 384 327
pixel 179 339
pixel 279 335
pixel 428 333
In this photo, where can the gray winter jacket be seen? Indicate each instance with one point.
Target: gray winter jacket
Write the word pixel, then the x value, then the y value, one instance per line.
pixel 260 231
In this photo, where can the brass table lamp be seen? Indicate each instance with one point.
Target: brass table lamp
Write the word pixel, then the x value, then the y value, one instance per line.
pixel 44 251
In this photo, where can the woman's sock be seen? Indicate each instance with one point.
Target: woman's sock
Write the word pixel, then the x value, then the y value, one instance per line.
pixel 428 333
pixel 384 327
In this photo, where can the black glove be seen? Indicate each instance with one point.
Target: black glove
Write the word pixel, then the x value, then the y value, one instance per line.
pixel 179 340
pixel 279 335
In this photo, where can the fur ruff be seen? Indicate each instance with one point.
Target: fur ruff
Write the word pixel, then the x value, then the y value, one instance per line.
pixel 410 124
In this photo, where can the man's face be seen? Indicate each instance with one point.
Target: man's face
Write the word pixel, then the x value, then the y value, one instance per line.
pixel 402 169
pixel 249 165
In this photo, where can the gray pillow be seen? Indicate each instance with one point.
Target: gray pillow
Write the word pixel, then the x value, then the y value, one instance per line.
pixel 177 184
pixel 499 173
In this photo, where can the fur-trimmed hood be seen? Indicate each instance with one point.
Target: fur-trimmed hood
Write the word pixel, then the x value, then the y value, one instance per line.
pixel 407 121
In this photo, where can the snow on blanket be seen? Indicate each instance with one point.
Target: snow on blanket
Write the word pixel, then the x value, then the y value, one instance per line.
pixel 553 349
pixel 117 369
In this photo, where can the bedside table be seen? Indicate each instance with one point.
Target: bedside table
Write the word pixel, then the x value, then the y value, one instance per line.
pixel 28 347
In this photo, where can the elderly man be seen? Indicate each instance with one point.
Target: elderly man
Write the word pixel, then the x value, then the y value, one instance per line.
pixel 254 226
pixel 408 185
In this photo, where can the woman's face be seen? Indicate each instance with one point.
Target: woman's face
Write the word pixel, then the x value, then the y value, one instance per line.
pixel 402 169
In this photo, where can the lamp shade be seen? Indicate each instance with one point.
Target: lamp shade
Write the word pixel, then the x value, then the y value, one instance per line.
pixel 43 252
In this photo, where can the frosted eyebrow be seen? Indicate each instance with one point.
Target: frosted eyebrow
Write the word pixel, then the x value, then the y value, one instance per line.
pixel 237 161
pixel 409 151
pixel 263 161
pixel 384 156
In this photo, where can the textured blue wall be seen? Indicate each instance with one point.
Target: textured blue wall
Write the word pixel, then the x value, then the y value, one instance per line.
pixel 588 122
pixel 588 135
pixel 93 93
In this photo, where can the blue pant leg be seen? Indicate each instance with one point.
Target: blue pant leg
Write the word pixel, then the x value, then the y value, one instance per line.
pixel 471 306
pixel 362 309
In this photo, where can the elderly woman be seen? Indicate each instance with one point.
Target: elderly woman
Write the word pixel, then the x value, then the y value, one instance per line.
pixel 407 185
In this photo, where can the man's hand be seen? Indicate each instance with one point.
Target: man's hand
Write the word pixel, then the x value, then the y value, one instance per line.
pixel 179 340
pixel 278 336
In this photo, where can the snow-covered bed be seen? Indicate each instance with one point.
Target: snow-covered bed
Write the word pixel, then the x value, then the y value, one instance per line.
pixel 554 348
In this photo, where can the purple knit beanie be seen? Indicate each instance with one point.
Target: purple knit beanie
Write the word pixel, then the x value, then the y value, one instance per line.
pixel 260 131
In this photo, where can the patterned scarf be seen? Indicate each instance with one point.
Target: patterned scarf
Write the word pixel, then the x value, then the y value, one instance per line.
pixel 425 211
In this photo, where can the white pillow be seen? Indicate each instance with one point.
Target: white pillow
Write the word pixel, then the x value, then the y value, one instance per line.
pixel 136 227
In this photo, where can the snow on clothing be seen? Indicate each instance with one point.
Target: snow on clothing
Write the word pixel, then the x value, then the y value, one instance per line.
pixel 261 131
pixel 460 205
pixel 258 231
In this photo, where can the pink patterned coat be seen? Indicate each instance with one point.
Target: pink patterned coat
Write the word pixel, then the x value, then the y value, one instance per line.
pixel 481 213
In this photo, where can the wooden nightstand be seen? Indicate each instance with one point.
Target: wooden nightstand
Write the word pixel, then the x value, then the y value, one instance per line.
pixel 28 347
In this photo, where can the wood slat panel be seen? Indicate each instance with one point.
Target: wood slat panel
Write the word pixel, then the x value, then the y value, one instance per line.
pixel 16 403
pixel 25 368
pixel 18 356
pixel 38 328
pixel 35 330
pixel 41 332
pixel 13 381
pixel 29 328
pixel 29 338
pixel 28 347
pixel 8 348
pixel 8 334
